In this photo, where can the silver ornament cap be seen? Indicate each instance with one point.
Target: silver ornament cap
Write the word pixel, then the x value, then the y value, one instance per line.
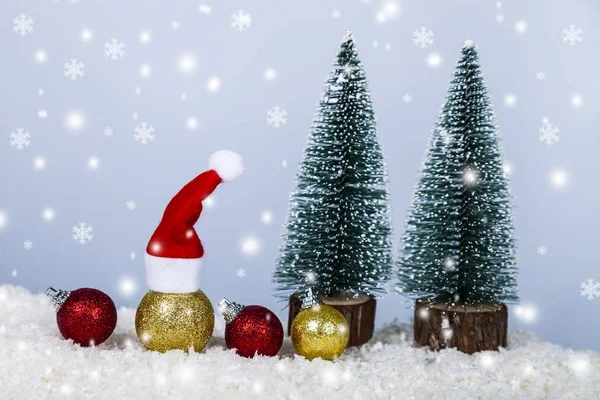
pixel 58 296
pixel 309 299
pixel 230 310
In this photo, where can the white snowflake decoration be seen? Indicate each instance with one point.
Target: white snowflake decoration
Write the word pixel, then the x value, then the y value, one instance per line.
pixel 143 133
pixel 73 69
pixel 82 233
pixel 590 289
pixel 108 131
pixel 336 14
pixel 572 35
pixel 548 132
pixel 114 49
pixel 20 139
pixel 130 205
pixel 542 250
pixel 499 18
pixel 175 25
pixel 28 245
pixel 240 272
pixel 407 98
pixel 241 20
pixel 540 75
pixel 276 117
pixel 23 25
pixel 423 37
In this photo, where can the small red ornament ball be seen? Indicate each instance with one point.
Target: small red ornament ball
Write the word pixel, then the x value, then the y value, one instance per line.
pixel 256 330
pixel 88 316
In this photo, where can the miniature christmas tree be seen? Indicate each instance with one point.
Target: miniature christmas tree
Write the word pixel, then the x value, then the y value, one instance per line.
pixel 458 259
pixel 338 237
pixel 459 245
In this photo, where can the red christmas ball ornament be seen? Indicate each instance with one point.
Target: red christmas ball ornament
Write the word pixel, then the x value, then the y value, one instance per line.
pixel 251 330
pixel 87 316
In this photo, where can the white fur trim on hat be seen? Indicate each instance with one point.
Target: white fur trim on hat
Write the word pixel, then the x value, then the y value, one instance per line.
pixel 172 275
pixel 228 164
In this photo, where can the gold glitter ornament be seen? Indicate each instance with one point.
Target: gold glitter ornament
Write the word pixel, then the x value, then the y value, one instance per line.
pixel 170 321
pixel 319 330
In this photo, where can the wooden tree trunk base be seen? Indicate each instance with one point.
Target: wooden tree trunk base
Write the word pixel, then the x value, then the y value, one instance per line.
pixel 468 328
pixel 359 313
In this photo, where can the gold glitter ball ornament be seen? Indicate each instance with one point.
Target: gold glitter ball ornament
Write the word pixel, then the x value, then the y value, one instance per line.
pixel 320 331
pixel 170 321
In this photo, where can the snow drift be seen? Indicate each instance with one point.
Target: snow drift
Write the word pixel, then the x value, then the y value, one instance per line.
pixel 36 363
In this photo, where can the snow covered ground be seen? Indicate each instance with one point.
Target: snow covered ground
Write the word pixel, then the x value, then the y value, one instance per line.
pixel 36 363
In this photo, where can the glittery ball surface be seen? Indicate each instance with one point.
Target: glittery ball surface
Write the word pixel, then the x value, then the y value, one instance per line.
pixel 88 317
pixel 320 331
pixel 256 330
pixel 170 321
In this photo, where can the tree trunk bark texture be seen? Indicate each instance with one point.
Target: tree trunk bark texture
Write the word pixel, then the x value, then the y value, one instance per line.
pixel 468 328
pixel 359 312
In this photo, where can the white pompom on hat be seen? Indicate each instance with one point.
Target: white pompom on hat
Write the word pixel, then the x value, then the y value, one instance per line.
pixel 228 164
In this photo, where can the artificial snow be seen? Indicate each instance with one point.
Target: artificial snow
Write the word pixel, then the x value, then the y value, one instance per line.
pixel 36 363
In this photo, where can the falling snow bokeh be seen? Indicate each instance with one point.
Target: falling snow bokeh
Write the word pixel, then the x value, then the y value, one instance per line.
pixel 108 103
pixel 39 163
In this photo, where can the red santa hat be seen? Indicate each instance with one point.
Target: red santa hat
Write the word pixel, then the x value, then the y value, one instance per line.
pixel 174 253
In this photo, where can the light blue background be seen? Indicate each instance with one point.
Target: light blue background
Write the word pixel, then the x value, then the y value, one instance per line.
pixel 299 40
